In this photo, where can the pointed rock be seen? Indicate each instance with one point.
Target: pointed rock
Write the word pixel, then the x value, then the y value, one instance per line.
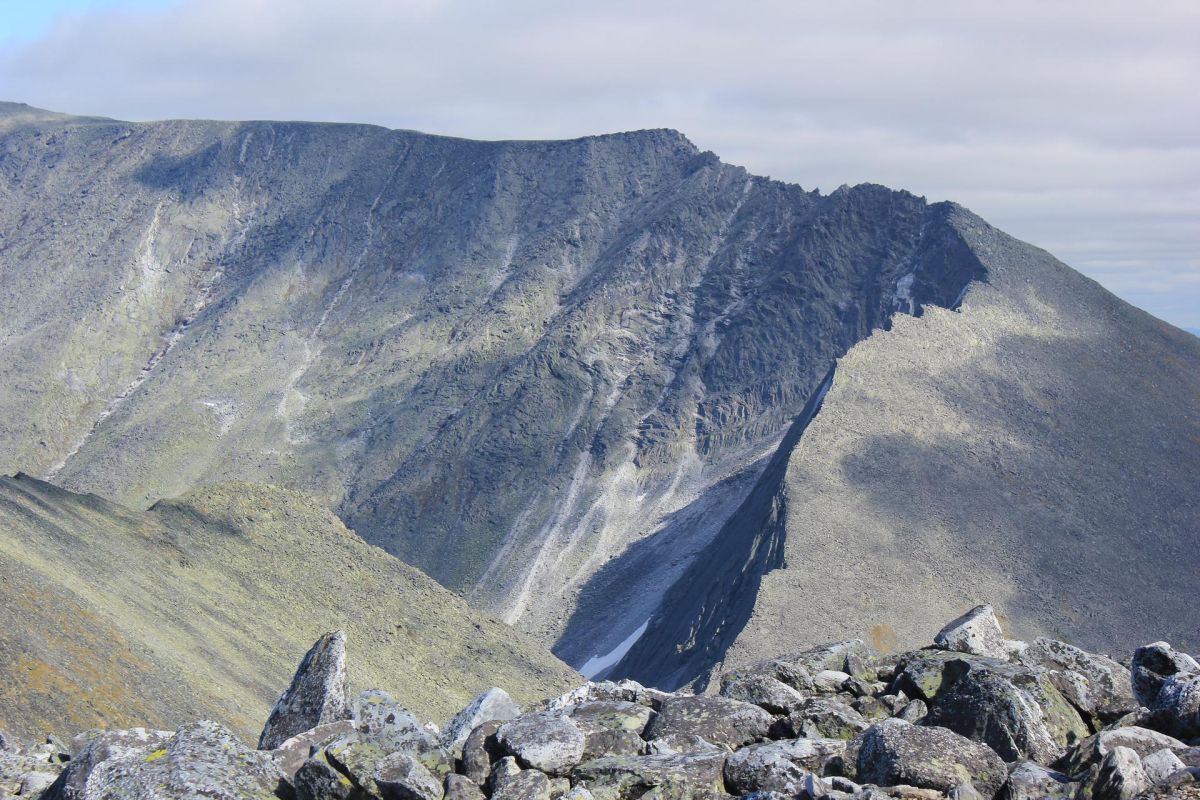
pixel 977 632
pixel 317 695
pixel 494 704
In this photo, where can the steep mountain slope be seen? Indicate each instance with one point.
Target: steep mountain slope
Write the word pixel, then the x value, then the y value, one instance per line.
pixel 1039 448
pixel 509 363
pixel 201 608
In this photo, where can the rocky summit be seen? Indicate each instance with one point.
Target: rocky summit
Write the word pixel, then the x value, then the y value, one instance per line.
pixel 633 400
pixel 974 716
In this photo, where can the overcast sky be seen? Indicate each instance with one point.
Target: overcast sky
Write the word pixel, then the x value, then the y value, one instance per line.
pixel 1073 125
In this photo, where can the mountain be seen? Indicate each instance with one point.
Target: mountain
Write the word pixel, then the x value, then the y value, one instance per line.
pixel 1040 447
pixel 565 377
pixel 200 608
pixel 1193 331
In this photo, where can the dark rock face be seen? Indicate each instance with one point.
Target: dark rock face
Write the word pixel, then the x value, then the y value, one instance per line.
pixel 895 752
pixel 317 695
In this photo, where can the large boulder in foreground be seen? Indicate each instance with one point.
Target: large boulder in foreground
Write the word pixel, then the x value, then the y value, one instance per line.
pixel 1096 685
pixel 548 741
pixel 896 752
pixel 673 776
pixel 1016 710
pixel 318 693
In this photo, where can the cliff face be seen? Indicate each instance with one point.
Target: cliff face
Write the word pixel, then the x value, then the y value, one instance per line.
pixel 504 362
pixel 1040 446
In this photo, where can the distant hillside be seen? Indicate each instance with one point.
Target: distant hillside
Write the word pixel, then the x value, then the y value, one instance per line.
pixel 202 607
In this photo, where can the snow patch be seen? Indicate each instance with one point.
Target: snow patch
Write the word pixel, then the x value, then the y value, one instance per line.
pixel 599 663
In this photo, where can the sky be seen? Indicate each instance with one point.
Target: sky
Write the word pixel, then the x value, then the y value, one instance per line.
pixel 1072 125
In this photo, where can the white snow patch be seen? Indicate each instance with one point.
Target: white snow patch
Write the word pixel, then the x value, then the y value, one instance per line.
pixel 597 664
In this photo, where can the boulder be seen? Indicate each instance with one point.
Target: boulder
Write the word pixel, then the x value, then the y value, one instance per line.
pixel 203 759
pixel 317 779
pixel 1092 750
pixel 913 711
pixel 399 776
pixel 1098 686
pixel 494 704
pixel 721 721
pixel 96 747
pixel 1153 664
pixel 821 718
pixel 1176 710
pixel 480 750
pixel 788 673
pixel 1161 765
pixel 549 741
pixel 460 787
pixel 782 766
pixel 895 752
pixel 385 726
pixel 676 776
pixel 1030 781
pixel 1120 776
pixel 317 695
pixel 921 674
pixel 764 691
pixel 510 782
pixel 628 691
pixel 292 754
pixel 1014 709
pixel 611 727
pixel 977 632
pixel 830 681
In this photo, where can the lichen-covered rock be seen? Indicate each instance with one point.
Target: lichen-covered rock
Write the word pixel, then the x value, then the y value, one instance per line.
pixel 764 691
pixel 494 704
pixel 1095 684
pixel 612 727
pixel 789 673
pixel 1030 781
pixel 548 741
pixel 1161 765
pixel 96 747
pixel 1152 664
pixel 679 776
pixel 510 782
pixel 399 776
pixel 821 718
pixel 387 727
pixel 292 754
pixel 203 759
pixel 1120 776
pixel 977 632
pixel 460 787
pixel 317 779
pixel 318 693
pixel 914 711
pixel 830 681
pixel 922 674
pixel 782 766
pixel 896 752
pixel 626 690
pixel 1176 710
pixel 1092 750
pixel 1014 709
pixel 28 770
pixel 720 721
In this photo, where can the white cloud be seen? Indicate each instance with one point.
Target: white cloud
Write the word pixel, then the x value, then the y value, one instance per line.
pixel 1071 124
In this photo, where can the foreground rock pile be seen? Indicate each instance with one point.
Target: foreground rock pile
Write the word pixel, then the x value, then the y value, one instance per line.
pixel 975 716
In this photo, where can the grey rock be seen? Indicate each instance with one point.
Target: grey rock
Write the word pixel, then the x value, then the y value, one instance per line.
pixel 1014 709
pixel 1152 664
pixel 99 746
pixel 480 750
pixel 382 724
pixel 873 708
pixel 1120 776
pixel 399 776
pixel 493 704
pixel 913 711
pixel 830 681
pixel 922 674
pixel 764 691
pixel 292 754
pixel 1030 781
pixel 318 693
pixel 781 766
pixel 679 776
pixel 1161 765
pixel 1092 750
pixel 895 752
pixel 201 760
pixel 612 727
pixel 976 632
pixel 964 791
pixel 510 782
pixel 1176 710
pixel 821 718
pixel 790 673
pixel 1095 684
pixel 549 741
pixel 317 779
pixel 720 721
pixel 460 787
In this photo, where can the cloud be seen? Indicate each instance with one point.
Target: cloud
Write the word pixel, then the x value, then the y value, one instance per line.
pixel 1071 124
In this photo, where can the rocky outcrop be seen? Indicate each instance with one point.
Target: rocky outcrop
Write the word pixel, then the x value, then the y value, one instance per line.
pixel 318 694
pixel 608 741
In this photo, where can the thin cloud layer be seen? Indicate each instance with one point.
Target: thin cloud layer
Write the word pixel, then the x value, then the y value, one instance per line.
pixel 1072 125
